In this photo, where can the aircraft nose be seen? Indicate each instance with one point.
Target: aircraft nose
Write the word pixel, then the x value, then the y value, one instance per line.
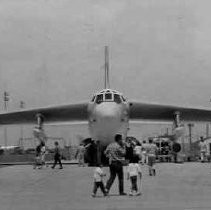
pixel 105 111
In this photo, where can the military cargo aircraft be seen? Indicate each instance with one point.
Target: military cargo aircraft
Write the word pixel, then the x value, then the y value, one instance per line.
pixel 107 113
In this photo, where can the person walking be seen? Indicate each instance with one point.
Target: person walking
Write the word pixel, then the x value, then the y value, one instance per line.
pixel 116 154
pixel 80 155
pixel 144 157
pixel 138 151
pixel 151 154
pixel 38 161
pixel 203 149
pixel 57 155
pixel 43 154
pixel 133 171
pixel 98 180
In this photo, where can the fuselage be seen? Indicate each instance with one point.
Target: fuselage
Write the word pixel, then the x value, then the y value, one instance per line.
pixel 108 115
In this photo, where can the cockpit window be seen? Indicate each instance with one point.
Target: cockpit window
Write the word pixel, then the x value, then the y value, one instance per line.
pixel 108 96
pixel 93 99
pixel 99 99
pixel 123 98
pixel 117 98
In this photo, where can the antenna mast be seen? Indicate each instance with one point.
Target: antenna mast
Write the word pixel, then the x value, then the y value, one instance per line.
pixel 107 84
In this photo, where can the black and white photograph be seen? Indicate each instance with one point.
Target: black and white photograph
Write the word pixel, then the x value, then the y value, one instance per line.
pixel 105 105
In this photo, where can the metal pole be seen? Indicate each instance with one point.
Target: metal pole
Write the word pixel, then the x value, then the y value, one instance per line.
pixel 167 131
pixel 6 99
pixel 22 104
pixel 207 130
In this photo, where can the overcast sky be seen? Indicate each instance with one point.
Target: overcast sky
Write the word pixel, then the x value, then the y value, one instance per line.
pixel 51 52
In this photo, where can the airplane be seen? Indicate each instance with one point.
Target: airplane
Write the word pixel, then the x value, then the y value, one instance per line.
pixel 108 113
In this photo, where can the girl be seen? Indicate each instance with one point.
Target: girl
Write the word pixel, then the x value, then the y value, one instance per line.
pixel 133 171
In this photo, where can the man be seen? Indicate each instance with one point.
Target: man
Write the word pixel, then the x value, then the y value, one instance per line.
pixel 57 155
pixel 151 153
pixel 138 151
pixel 144 158
pixel 116 154
pixel 203 149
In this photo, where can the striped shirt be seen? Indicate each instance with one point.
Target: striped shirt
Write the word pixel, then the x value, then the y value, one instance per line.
pixel 115 152
pixel 152 149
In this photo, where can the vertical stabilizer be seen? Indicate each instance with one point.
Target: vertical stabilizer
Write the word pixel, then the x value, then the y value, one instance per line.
pixel 107 84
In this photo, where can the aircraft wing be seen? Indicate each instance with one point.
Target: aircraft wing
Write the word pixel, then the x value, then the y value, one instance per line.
pixel 72 112
pixel 147 111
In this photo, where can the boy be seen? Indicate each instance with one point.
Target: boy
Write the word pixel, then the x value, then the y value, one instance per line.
pixel 98 180
pixel 133 171
pixel 57 155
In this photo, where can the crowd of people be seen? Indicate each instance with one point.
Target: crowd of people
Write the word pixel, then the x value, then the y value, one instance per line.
pixel 129 153
pixel 40 154
pixel 133 154
pixel 119 153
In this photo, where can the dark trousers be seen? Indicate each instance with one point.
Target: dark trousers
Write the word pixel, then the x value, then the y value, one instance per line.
pixel 133 180
pixel 116 168
pixel 97 185
pixel 57 159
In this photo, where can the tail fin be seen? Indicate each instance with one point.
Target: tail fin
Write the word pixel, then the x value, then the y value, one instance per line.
pixel 107 84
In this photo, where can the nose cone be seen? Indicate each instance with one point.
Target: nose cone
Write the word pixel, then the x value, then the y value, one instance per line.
pixel 107 111
pixel 106 122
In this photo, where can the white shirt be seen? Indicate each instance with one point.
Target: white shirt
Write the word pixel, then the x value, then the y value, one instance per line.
pixel 43 150
pixel 138 150
pixel 203 146
pixel 151 149
pixel 98 174
pixel 133 169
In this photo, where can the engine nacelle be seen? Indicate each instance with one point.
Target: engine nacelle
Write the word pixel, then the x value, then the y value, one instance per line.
pixel 39 134
pixel 176 147
pixel 179 131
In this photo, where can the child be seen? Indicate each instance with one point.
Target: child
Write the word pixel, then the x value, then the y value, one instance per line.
pixel 43 153
pixel 38 162
pixel 151 152
pixel 133 171
pixel 98 180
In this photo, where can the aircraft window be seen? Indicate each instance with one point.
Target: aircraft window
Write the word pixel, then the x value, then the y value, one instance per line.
pixel 117 99
pixel 99 99
pixel 123 98
pixel 93 99
pixel 108 96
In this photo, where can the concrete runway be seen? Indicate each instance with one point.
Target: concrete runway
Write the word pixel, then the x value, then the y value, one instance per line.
pixel 177 186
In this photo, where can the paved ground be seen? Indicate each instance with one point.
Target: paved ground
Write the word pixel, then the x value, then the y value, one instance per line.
pixel 177 186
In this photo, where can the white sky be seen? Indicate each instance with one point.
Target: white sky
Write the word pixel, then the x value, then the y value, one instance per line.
pixel 52 52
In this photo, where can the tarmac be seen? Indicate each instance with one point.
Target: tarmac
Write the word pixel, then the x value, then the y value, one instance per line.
pixel 175 187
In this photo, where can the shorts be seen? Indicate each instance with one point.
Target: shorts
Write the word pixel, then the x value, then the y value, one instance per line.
pixel 151 160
